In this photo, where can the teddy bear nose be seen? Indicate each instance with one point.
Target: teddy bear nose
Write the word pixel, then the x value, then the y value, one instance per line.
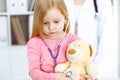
pixel 71 51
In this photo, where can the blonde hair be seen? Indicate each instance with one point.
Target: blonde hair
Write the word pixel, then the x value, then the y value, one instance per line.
pixel 40 10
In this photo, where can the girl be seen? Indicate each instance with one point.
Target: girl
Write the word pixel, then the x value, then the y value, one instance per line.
pixel 95 25
pixel 50 37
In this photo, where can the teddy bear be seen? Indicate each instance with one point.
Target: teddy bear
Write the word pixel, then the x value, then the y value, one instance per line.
pixel 79 53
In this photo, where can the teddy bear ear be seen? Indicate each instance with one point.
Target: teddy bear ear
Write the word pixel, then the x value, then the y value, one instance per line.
pixel 91 51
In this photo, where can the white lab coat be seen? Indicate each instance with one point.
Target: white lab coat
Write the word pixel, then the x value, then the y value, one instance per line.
pixel 99 32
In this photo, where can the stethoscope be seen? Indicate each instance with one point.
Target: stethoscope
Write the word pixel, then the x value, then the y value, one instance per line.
pixel 51 53
pixel 58 47
pixel 96 9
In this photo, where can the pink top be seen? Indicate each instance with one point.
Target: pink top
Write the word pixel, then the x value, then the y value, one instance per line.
pixel 41 64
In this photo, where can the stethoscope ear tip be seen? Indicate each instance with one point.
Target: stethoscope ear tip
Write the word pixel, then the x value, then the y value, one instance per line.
pixel 96 16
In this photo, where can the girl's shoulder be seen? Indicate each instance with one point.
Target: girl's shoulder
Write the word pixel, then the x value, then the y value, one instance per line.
pixel 34 41
pixel 70 37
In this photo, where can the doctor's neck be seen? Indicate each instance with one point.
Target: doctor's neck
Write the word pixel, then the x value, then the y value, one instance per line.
pixel 79 2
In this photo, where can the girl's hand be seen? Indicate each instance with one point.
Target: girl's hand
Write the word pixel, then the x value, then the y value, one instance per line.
pixel 85 77
pixel 61 76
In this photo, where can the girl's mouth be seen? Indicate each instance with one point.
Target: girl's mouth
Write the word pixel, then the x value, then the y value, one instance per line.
pixel 52 32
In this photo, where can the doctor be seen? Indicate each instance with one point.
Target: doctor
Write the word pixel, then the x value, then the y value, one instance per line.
pixel 97 28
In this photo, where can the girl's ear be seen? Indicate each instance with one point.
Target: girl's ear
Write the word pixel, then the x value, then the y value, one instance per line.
pixel 66 25
pixel 66 21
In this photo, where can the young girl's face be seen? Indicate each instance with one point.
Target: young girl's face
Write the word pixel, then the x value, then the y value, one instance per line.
pixel 53 24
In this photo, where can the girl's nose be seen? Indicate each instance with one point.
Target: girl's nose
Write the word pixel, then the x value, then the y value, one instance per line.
pixel 51 26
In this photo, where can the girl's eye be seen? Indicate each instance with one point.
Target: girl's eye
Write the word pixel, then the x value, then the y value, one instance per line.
pixel 56 21
pixel 45 23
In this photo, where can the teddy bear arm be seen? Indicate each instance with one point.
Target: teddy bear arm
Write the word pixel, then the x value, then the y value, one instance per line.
pixel 92 70
pixel 62 67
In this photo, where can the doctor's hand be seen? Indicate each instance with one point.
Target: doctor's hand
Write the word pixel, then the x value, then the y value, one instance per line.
pixel 61 76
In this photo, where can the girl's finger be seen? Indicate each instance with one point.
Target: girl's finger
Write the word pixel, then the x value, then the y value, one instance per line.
pixel 82 78
pixel 86 77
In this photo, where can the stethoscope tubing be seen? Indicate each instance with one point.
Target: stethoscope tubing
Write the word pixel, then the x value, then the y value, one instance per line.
pixel 95 6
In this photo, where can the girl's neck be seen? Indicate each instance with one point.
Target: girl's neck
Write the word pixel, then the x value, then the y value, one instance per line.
pixel 79 2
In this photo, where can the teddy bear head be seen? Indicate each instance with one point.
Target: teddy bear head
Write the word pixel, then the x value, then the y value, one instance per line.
pixel 79 51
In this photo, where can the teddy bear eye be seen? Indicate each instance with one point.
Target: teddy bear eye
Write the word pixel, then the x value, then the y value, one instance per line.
pixel 74 45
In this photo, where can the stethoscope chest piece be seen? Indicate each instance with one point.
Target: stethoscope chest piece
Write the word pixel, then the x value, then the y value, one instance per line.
pixel 70 74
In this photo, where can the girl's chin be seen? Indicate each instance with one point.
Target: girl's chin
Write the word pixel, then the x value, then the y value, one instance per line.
pixel 53 36
pixel 46 36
